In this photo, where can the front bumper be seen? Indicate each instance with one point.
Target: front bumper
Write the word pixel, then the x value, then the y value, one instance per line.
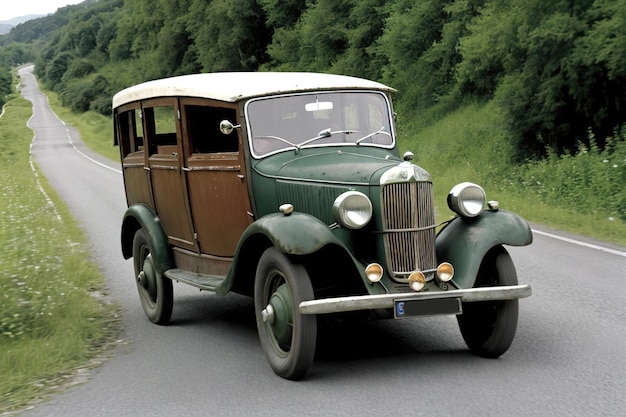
pixel 387 301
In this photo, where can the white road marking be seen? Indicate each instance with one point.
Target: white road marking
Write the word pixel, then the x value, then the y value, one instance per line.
pixel 580 243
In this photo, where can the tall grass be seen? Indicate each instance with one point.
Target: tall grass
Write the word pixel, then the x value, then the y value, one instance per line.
pixel 582 193
pixel 592 180
pixel 51 318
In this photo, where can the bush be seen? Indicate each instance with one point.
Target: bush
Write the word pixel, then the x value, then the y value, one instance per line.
pixel 81 93
pixel 590 181
pixel 5 84
pixel 78 68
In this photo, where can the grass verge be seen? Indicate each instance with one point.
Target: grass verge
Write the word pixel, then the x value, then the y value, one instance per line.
pixel 52 314
pixel 582 193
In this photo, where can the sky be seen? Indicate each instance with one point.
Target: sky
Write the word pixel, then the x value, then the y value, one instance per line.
pixel 15 8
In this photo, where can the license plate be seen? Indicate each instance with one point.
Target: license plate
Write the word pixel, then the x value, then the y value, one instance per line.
pixel 429 307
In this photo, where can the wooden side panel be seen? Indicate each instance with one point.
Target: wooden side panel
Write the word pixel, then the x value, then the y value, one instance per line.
pixel 219 203
pixel 170 199
pixel 137 181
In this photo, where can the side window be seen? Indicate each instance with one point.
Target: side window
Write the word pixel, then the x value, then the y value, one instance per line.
pixel 203 129
pixel 130 131
pixel 161 129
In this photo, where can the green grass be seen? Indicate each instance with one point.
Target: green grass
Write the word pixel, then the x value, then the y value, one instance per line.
pixel 582 193
pixel 52 317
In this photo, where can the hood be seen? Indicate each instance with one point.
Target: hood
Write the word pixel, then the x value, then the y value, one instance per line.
pixel 345 165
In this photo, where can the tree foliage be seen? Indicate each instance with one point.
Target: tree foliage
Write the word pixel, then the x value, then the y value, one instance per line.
pixel 5 84
pixel 557 69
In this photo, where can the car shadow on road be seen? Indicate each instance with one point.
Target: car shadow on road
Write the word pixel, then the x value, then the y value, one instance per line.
pixel 343 346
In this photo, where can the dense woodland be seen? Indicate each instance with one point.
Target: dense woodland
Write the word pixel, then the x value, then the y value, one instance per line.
pixel 557 68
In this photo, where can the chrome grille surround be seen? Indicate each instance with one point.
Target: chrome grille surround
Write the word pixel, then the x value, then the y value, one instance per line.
pixel 408 219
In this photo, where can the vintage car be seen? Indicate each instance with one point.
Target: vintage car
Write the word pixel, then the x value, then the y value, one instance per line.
pixel 289 187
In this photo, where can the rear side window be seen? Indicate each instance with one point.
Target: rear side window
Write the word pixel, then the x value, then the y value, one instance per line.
pixel 130 132
pixel 160 124
pixel 203 127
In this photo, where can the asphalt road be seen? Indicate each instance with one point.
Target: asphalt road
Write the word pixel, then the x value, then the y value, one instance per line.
pixel 568 358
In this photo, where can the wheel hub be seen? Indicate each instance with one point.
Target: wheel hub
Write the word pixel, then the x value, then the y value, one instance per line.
pixel 278 315
pixel 147 277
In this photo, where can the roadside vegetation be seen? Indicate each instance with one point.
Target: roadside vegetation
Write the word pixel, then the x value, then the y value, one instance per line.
pixel 53 318
pixel 582 192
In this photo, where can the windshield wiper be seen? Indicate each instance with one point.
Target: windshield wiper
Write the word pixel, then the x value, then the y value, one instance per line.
pixel 279 139
pixel 381 130
pixel 326 133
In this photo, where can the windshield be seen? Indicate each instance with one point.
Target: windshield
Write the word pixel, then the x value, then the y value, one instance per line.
pixel 318 119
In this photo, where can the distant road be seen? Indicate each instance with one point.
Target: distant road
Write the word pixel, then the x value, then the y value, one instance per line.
pixel 568 358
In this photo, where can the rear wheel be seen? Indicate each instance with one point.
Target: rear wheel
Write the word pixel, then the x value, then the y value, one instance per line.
pixel 155 290
pixel 488 327
pixel 287 337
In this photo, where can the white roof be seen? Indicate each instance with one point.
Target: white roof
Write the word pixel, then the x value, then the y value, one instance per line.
pixel 234 86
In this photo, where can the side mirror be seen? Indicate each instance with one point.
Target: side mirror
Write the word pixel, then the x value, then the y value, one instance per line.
pixel 226 127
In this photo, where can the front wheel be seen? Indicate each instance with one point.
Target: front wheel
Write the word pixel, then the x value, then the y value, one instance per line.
pixel 488 327
pixel 287 337
pixel 155 290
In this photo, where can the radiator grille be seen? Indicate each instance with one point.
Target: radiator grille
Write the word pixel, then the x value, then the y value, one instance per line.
pixel 409 206
pixel 315 200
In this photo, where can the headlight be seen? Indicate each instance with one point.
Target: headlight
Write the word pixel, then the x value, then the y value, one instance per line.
pixel 466 199
pixel 352 209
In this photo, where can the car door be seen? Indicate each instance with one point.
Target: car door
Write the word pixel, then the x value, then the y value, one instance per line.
pixel 169 189
pixel 215 171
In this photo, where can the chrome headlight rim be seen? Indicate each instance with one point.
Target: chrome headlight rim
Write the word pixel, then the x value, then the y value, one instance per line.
pixel 352 210
pixel 467 199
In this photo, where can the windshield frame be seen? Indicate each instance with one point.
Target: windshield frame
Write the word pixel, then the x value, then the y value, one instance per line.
pixel 313 142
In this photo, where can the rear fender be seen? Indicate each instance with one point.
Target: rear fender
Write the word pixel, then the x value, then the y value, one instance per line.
pixel 464 243
pixel 140 216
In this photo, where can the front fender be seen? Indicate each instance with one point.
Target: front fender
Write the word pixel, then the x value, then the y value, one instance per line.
pixel 296 234
pixel 140 216
pixel 464 243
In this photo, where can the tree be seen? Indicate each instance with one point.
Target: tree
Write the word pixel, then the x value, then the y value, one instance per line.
pixel 556 68
pixel 6 81
pixel 228 35
pixel 420 43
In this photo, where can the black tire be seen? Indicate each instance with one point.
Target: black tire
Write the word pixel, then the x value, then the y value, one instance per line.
pixel 155 290
pixel 287 337
pixel 489 327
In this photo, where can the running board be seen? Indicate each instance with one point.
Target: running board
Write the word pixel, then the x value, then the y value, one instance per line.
pixel 203 281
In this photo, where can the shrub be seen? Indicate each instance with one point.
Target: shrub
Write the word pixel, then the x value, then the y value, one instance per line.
pixel 590 181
